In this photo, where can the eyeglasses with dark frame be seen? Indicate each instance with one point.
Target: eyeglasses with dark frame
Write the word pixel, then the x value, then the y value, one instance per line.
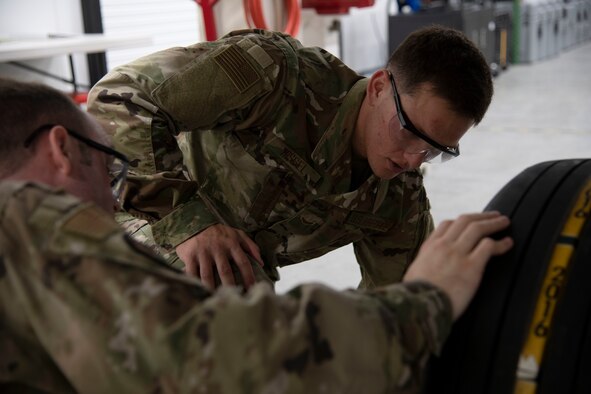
pixel 447 152
pixel 117 169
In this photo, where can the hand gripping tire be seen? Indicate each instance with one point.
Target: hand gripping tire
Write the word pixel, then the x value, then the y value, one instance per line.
pixel 528 329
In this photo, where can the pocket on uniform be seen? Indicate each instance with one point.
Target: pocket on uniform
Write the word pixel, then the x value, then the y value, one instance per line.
pixel 313 231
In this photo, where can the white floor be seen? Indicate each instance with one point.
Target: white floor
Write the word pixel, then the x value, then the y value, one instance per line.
pixel 539 112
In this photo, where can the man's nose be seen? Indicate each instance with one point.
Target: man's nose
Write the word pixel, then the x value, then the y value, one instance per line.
pixel 414 160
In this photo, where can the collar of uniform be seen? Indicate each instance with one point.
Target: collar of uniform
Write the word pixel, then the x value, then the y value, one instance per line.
pixel 7 189
pixel 334 146
pixel 10 188
pixel 333 153
pixel 35 194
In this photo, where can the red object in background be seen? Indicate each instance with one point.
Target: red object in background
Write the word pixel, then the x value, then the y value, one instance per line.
pixel 335 6
pixel 80 97
pixel 211 33
pixel 255 17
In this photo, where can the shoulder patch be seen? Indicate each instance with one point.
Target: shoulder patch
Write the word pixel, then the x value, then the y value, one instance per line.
pixel 237 67
pixel 91 222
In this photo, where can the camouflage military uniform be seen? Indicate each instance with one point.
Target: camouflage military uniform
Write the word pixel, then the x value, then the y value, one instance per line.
pixel 85 309
pixel 254 131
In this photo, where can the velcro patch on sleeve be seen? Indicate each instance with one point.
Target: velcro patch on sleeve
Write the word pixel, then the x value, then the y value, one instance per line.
pixel 237 67
pixel 260 56
pixel 368 221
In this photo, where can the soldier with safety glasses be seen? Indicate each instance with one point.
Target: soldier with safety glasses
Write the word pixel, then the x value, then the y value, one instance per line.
pixel 253 152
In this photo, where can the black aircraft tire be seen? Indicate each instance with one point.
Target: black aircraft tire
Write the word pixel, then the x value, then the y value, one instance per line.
pixel 570 328
pixel 483 351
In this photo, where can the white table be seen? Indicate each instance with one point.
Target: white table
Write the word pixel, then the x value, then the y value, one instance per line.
pixel 24 48
pixel 15 49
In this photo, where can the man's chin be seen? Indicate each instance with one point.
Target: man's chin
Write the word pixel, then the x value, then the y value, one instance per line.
pixel 392 170
pixel 387 175
pixel 386 172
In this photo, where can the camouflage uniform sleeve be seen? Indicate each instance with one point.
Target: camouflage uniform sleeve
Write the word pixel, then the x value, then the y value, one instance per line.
pixel 158 188
pixel 115 319
pixel 385 256
pixel 149 331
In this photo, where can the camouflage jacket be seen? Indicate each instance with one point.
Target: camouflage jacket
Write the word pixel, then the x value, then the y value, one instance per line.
pixel 254 131
pixel 83 308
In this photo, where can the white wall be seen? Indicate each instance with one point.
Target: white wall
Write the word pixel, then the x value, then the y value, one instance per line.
pixel 317 30
pixel 365 37
pixel 168 22
pixel 38 18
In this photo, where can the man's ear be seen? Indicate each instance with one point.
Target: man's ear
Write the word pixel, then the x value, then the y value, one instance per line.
pixel 61 149
pixel 377 86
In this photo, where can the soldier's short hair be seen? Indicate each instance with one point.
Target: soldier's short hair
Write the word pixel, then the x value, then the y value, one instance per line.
pixel 25 107
pixel 448 60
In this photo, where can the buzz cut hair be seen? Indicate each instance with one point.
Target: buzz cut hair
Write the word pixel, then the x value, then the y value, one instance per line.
pixel 451 63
